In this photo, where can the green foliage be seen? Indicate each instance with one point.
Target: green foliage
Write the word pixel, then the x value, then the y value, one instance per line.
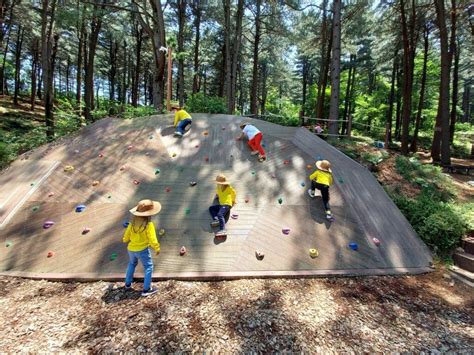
pixel 375 158
pixel 430 178
pixel 439 224
pixel 5 154
pixel 200 103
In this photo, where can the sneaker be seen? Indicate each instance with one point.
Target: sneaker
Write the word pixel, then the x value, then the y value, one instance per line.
pixel 178 134
pixel 311 193
pixel 220 233
pixel 128 286
pixel 255 152
pixel 262 158
pixel 215 223
pixel 329 215
pixel 149 292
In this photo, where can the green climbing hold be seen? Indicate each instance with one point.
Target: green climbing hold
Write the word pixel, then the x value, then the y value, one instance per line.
pixel 341 180
pixel 8 244
pixel 32 184
pixel 280 200
pixel 157 171
pixel 113 256
pixel 110 196
pixel 35 208
pixel 187 211
pixel 254 172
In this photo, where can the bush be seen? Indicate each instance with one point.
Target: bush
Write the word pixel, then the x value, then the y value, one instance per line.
pixel 200 103
pixel 440 225
pixel 5 154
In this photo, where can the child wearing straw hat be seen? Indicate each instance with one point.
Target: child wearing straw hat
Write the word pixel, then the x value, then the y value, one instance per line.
pixel 254 140
pixel 321 179
pixel 182 119
pixel 141 236
pixel 226 196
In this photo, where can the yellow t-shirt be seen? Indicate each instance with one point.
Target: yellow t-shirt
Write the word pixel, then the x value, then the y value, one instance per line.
pixel 322 177
pixel 139 239
pixel 181 115
pixel 226 197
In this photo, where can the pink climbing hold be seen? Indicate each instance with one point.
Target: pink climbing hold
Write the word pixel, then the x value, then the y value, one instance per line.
pixel 286 162
pixel 101 155
pixel 206 158
pixel 147 154
pixel 247 200
pixel 123 167
pixel 76 151
pixel 48 224
pixel 50 254
pixel 234 216
pixel 182 251
pixel 130 147
pixel 168 189
pixel 136 182
pixel 286 230
pixel 86 230
pixel 51 194
pixel 376 241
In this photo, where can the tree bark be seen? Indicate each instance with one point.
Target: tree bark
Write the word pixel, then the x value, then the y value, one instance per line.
pixel 323 69
pixel 264 71
pixel 235 56
pixel 391 99
pixel 137 67
pixel 335 68
pixel 80 55
pixel 441 135
pixel 413 146
pixel 34 69
pixel 3 31
pixel 19 44
pixel 113 50
pixel 197 26
pixel 48 40
pixel 256 43
pixel 466 102
pixel 454 54
pixel 181 7
pixel 347 99
pixel 305 73
pixel 227 53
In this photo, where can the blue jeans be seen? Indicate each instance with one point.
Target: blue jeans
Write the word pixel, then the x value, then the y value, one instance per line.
pixel 220 212
pixel 183 124
pixel 145 258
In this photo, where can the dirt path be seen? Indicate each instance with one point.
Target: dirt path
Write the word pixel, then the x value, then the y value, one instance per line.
pixel 416 313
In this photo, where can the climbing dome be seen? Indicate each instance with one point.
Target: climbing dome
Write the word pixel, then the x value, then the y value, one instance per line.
pixel 64 206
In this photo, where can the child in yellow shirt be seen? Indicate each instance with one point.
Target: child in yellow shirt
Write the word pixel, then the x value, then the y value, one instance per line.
pixel 321 179
pixel 181 120
pixel 141 236
pixel 226 196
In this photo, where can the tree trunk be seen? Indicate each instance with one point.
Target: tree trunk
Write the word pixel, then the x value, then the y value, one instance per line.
pixel 348 93
pixel 305 84
pixel 398 112
pixel 34 69
pixel 235 56
pixel 408 57
pixel 227 53
pixel 80 54
pixel 441 135
pixel 388 133
pixel 96 24
pixel 256 43
pixel 466 101
pixel 3 30
pixel 323 69
pixel 19 44
pixel 113 50
pixel 197 25
pixel 181 4
pixel 137 67
pixel 335 68
pixel 413 146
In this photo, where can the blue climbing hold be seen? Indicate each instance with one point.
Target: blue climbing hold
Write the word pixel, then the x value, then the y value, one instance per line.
pixel 318 158
pixel 80 208
pixel 302 184
pixel 353 246
pixel 264 145
pixel 125 224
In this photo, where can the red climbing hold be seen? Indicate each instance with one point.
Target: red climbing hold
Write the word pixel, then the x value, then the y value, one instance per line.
pixel 206 158
pixel 168 189
pixel 50 254
pixel 286 162
pixel 101 155
pixel 86 230
pixel 182 251
pixel 136 182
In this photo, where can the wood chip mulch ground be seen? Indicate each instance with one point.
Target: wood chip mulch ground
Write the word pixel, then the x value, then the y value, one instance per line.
pixel 429 313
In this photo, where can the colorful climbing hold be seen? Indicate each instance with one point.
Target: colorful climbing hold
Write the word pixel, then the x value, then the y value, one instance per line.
pixel 68 168
pixel 318 158
pixel 286 230
pixel 234 216
pixel 35 208
pixel 48 224
pixel 182 251
pixel 173 155
pixel 223 128
pixel 113 256
pixel 50 254
pixel 259 255
pixel 110 196
pixel 196 146
pixel 254 172
pixel 167 189
pixel 161 232
pixel 51 194
pixel 303 184
pixel 150 137
pixel 280 200
pixel 76 151
pixel 101 155
pixel 86 230
pixel 309 166
pixel 157 171
pixel 376 241
pixel 8 244
pixel 130 147
pixel 205 133
pixel 95 182
pixel 340 180
pixel 314 253
pixel 264 145
pixel 32 184
pixel 80 208
pixel 147 153
pixel 286 162
pixel 187 210
pixel 353 246
pixel 125 224
pixel 136 182
pixel 206 158
pixel 247 200
pixel 193 183
pixel 123 167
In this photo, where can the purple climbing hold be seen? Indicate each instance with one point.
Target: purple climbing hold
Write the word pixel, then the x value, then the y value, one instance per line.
pixel 48 224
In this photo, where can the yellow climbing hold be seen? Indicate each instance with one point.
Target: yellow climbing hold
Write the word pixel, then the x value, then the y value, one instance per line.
pixel 68 168
pixel 313 253
pixel 161 232
pixel 95 183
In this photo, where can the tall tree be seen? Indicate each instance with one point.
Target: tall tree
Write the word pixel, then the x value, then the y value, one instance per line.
pixel 454 55
pixel 138 32
pixel 197 11
pixel 391 100
pixel 237 42
pixel 34 69
pixel 326 47
pixel 335 68
pixel 256 43
pixel 19 44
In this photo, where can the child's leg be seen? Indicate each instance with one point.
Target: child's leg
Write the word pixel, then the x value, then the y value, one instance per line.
pixel 214 210
pixel 223 210
pixel 132 264
pixel 313 185
pixel 258 139
pixel 147 261
pixel 251 144
pixel 325 194
pixel 187 122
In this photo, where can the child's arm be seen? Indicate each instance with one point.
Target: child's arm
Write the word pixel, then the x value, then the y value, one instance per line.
pixel 176 119
pixel 314 175
pixel 152 239
pixel 233 194
pixel 330 180
pixel 242 135
pixel 126 235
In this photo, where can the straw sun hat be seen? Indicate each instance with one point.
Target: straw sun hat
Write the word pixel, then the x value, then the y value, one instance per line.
pixel 146 208
pixel 324 165
pixel 221 180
